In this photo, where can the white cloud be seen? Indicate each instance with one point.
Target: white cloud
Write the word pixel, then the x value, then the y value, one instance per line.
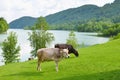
pixel 13 9
pixel 100 2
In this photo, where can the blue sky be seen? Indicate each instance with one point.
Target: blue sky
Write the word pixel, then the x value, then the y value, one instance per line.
pixel 13 9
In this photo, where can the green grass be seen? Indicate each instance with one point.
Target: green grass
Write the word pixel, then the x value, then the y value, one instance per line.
pixel 98 62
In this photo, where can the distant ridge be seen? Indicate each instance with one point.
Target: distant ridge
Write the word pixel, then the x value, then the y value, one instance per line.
pixel 22 22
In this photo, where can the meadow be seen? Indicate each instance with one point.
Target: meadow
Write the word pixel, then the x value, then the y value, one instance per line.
pixel 98 62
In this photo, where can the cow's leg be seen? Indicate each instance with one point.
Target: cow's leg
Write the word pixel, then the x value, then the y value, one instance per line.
pixel 56 62
pixel 39 67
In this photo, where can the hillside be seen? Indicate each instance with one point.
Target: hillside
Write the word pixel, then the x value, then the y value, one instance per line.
pixel 22 22
pixel 86 12
pixel 76 15
pixel 98 62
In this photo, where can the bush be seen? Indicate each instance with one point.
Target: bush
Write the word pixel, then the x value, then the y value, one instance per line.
pixel 115 37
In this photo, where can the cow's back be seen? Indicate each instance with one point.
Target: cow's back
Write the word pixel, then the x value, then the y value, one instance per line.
pixel 61 46
pixel 48 53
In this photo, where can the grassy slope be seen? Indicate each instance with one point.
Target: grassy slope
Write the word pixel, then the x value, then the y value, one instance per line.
pixel 99 62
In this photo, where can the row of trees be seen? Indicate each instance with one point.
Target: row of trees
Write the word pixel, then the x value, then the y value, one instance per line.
pixel 105 28
pixel 94 26
pixel 3 25
pixel 86 26
pixel 112 31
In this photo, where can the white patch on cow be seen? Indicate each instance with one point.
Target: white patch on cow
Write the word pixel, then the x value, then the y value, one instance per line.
pixel 65 51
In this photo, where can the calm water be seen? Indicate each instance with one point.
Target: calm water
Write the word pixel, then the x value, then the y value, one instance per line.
pixel 60 37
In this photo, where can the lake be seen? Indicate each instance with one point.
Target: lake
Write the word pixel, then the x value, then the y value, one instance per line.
pixel 85 38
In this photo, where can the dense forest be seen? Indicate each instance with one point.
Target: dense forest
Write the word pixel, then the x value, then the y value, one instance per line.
pixel 74 17
pixel 104 19
pixel 3 25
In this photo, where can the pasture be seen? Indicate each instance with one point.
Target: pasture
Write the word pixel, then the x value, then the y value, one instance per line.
pixel 98 62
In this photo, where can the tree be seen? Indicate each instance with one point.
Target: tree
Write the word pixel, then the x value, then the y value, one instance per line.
pixel 40 38
pixel 112 31
pixel 72 40
pixel 41 24
pixel 10 49
pixel 3 25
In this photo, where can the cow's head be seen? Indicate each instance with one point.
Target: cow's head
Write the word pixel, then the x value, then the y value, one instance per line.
pixel 64 52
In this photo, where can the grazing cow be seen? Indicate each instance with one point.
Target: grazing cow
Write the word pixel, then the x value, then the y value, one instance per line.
pixel 70 48
pixel 51 54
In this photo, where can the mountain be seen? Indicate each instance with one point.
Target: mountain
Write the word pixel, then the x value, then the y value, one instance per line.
pixel 73 15
pixel 22 22
pixel 86 12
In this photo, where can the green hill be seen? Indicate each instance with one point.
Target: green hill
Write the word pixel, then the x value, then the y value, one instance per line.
pixel 76 16
pixel 23 22
pixel 98 62
pixel 86 12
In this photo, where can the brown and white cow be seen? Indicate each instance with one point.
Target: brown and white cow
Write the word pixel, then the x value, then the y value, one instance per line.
pixel 51 54
pixel 70 48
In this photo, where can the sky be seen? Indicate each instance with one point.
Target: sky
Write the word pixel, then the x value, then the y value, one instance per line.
pixel 14 9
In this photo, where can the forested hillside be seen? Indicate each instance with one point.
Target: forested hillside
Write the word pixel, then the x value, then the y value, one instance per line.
pixel 23 22
pixel 74 14
pixel 87 12
pixel 88 18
